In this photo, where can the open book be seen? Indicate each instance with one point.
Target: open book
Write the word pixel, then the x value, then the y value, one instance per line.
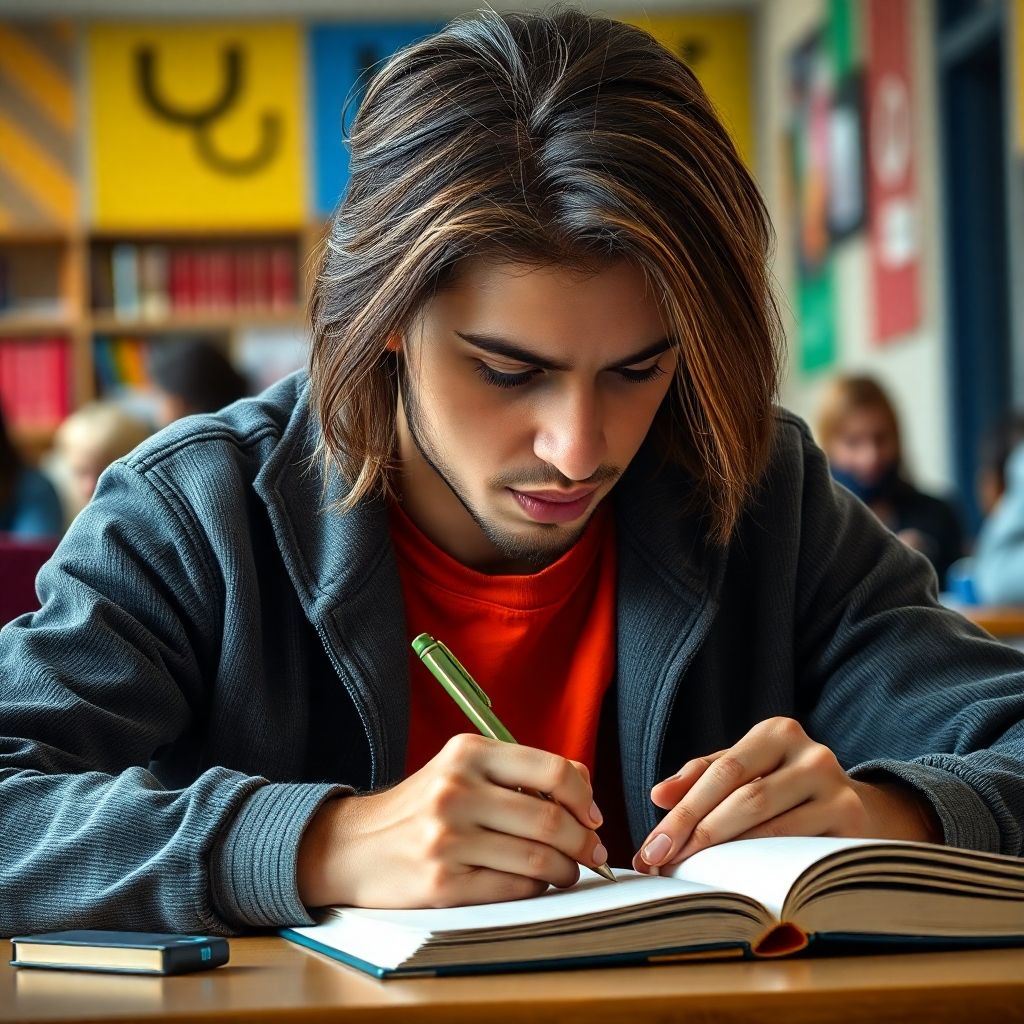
pixel 755 897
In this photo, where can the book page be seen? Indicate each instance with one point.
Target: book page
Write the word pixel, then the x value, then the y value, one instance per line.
pixel 764 869
pixel 589 896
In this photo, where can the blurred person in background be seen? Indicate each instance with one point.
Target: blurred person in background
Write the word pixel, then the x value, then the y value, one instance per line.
pixel 998 444
pixel 997 569
pixel 191 377
pixel 859 431
pixel 29 506
pixel 88 441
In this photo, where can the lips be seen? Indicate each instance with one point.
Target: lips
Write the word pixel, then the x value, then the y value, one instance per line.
pixel 554 506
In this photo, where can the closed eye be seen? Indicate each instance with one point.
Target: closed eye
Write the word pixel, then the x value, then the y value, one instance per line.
pixel 641 376
pixel 515 380
pixel 505 380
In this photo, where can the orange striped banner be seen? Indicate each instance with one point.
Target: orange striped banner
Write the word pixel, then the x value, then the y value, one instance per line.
pixel 38 158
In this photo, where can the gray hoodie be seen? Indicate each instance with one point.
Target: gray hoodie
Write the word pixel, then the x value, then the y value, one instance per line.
pixel 216 655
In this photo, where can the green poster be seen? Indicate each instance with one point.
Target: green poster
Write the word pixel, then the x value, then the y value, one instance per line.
pixel 843 37
pixel 810 89
pixel 817 329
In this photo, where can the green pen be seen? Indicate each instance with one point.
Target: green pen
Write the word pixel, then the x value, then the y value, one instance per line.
pixel 472 701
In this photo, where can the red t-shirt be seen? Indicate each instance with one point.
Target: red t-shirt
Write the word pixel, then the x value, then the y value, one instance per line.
pixel 541 646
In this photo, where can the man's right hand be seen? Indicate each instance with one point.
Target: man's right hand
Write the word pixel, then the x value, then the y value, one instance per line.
pixel 456 832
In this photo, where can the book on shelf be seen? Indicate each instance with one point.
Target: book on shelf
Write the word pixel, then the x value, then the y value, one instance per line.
pixel 751 898
pixel 154 284
pixel 155 280
pixel 124 263
pixel 35 382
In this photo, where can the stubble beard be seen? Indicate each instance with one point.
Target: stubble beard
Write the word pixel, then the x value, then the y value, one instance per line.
pixel 531 551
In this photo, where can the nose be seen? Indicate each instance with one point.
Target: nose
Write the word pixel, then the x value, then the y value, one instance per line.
pixel 571 434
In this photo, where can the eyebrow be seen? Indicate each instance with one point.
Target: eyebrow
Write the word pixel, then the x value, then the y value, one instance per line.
pixel 502 347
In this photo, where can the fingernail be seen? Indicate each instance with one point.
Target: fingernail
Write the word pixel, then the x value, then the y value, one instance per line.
pixel 595 815
pixel 600 854
pixel 657 849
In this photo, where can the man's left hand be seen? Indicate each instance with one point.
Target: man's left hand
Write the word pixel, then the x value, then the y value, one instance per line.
pixel 776 781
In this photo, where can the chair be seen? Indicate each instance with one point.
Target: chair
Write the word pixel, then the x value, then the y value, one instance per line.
pixel 20 560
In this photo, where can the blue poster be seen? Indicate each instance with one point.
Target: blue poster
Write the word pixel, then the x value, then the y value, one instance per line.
pixel 342 57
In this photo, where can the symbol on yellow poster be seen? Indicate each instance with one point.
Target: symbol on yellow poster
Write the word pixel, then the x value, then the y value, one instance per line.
pixel 717 47
pixel 196 126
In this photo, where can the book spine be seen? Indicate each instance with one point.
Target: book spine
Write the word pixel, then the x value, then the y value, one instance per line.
pixel 154 289
pixel 245 279
pixel 125 264
pixel 201 259
pixel 282 278
pixel 261 277
pixel 103 360
pixel 7 379
pixel 179 959
pixel 181 297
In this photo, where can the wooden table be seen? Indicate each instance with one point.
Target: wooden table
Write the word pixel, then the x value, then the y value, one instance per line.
pixel 1004 623
pixel 271 980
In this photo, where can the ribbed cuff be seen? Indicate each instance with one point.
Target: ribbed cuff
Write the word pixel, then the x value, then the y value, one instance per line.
pixel 253 865
pixel 966 819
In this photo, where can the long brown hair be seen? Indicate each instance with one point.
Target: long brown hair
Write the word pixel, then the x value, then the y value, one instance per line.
pixel 555 139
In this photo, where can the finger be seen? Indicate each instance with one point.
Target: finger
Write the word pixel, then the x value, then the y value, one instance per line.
pixel 759 753
pixel 701 762
pixel 483 885
pixel 517 767
pixel 515 856
pixel 752 804
pixel 670 791
pixel 540 821
pixel 805 820
pixel 596 817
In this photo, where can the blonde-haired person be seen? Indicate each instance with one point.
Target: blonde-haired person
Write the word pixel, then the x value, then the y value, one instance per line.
pixel 860 433
pixel 86 443
pixel 538 423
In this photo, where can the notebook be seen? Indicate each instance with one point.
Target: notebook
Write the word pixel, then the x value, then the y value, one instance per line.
pixel 749 898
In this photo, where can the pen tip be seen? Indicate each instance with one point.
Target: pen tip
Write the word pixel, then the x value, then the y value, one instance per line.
pixel 606 872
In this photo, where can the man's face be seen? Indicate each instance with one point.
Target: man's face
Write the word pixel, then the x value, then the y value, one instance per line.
pixel 525 394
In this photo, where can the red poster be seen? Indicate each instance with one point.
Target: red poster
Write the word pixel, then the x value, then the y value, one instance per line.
pixel 892 191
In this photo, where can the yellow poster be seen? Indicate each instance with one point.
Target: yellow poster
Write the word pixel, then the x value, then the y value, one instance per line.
pixel 718 48
pixel 196 126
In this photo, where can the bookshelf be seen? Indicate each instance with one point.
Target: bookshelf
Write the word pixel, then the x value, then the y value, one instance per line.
pixel 80 310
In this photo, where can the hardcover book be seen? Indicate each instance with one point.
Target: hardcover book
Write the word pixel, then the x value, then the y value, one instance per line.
pixel 749 898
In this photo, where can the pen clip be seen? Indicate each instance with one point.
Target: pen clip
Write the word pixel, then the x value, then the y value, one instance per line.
pixel 466 677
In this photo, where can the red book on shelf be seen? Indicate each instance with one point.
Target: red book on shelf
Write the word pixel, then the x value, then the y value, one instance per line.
pixel 201 291
pixel 245 278
pixel 26 384
pixel 262 284
pixel 57 380
pixel 7 381
pixel 220 261
pixel 228 277
pixel 46 399
pixel 181 279
pixel 282 277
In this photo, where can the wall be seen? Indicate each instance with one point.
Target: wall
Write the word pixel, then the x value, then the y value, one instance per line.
pixel 912 368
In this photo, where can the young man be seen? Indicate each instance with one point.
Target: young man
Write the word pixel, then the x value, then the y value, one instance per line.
pixel 539 425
